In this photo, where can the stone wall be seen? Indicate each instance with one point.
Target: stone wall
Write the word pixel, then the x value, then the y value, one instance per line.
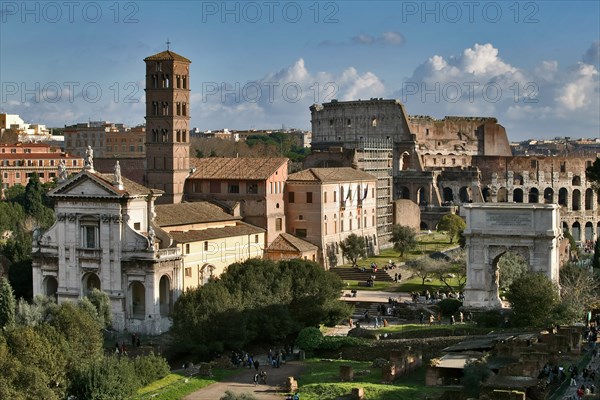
pixel 407 213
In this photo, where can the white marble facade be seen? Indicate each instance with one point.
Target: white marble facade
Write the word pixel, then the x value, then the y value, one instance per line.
pixel 532 230
pixel 101 240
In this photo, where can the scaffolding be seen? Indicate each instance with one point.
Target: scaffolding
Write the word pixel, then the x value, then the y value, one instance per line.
pixel 375 156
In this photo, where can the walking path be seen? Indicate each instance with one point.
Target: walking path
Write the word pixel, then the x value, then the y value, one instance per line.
pixel 593 365
pixel 243 383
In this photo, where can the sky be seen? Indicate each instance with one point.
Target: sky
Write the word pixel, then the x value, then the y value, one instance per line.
pixel 261 64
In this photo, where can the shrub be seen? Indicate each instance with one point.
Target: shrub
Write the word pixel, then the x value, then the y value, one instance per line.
pixel 491 318
pixel 449 306
pixel 150 368
pixel 337 342
pixel 233 396
pixel 309 338
pixel 109 378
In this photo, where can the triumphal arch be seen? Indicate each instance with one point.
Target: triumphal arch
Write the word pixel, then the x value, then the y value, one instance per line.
pixel 531 230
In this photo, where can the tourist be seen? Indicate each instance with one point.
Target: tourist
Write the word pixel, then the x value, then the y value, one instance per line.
pixel 255 379
pixel 461 317
pixel 263 377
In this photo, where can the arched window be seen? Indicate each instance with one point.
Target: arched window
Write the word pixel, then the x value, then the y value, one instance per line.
pixel 534 195
pixel 137 300
pixel 576 200
pixel 518 195
pixel 165 296
pixel 548 196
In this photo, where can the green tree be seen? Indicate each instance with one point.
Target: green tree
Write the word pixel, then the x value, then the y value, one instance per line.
pixel 452 224
pixel 534 299
pixel 101 302
pixel 510 267
pixel 424 268
pixel 474 374
pixel 592 174
pixel 353 248
pixel 7 304
pixel 404 238
pixel 596 260
pixel 257 301
pixel 309 338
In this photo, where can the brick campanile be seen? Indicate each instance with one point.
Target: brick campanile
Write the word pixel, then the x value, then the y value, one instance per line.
pixel 167 124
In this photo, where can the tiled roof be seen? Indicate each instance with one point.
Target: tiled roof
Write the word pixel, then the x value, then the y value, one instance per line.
pixel 236 168
pixel 284 241
pixel 190 213
pixel 240 229
pixel 40 156
pixel 325 175
pixel 166 56
pixel 132 188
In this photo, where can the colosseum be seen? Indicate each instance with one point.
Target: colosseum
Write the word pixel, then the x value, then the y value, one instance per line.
pixel 440 164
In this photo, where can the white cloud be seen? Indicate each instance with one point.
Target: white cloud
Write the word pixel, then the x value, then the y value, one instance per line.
pixel 388 38
pixel 544 101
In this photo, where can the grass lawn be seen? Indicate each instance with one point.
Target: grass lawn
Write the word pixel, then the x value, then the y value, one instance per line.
pixel 321 382
pixel 415 285
pixel 378 286
pixel 427 244
pixel 441 330
pixel 176 386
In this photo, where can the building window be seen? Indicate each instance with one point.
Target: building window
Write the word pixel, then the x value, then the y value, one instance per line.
pixel 291 197
pixel 349 122
pixel 252 188
pixel 205 246
pixel 342 225
pixel 187 248
pixel 374 122
pixel 89 236
pixel 136 226
pixel 215 187
pixel 301 233
pixel 255 238
pixel 278 224
pixel 301 217
pixel 563 167
pixel 324 197
pixel 188 272
pixel 334 196
pixel 233 187
pixel 309 197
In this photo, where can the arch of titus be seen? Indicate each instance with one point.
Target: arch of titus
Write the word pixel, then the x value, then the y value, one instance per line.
pixel 531 230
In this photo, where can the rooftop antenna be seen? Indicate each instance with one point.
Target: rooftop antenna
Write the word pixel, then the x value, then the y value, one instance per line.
pixel 168 43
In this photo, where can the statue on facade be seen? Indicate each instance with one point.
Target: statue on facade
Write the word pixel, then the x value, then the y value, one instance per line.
pixel 151 237
pixel 62 171
pixel 117 172
pixel 89 158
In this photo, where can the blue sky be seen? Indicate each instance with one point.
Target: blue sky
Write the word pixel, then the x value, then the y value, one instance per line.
pixel 532 65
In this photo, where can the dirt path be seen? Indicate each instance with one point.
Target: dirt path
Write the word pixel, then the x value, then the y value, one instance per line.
pixel 243 383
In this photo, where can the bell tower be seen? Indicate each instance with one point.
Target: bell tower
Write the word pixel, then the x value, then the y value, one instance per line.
pixel 167 124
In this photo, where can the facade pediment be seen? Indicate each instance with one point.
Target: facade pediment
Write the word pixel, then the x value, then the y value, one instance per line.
pixel 86 185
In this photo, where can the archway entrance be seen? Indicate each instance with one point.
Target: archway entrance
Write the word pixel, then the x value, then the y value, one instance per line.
pixel 165 295
pixel 51 287
pixel 495 229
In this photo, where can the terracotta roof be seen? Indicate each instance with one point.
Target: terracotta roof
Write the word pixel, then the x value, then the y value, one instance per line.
pixel 166 56
pixel 325 175
pixel 236 168
pixel 31 156
pixel 132 188
pixel 240 229
pixel 190 213
pixel 287 242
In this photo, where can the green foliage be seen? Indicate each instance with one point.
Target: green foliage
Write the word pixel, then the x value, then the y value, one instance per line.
pixel 592 174
pixel 404 238
pixel 454 272
pixel 474 373
pixel 572 243
pixel 150 368
pixel 34 313
pixel 107 378
pixel 337 342
pixel 452 224
pixel 101 302
pixel 534 299
pixel 15 193
pixel 7 304
pixel 490 318
pixel 11 215
pixel 596 260
pixel 258 300
pixel 20 275
pixel 233 396
pixel 353 248
pixel 449 306
pixel 511 266
pixel 309 338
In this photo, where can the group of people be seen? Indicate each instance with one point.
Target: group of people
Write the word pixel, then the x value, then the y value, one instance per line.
pixel 436 296
pixel 432 318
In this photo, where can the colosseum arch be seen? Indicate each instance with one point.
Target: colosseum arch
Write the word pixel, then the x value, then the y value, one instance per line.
pixel 531 230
